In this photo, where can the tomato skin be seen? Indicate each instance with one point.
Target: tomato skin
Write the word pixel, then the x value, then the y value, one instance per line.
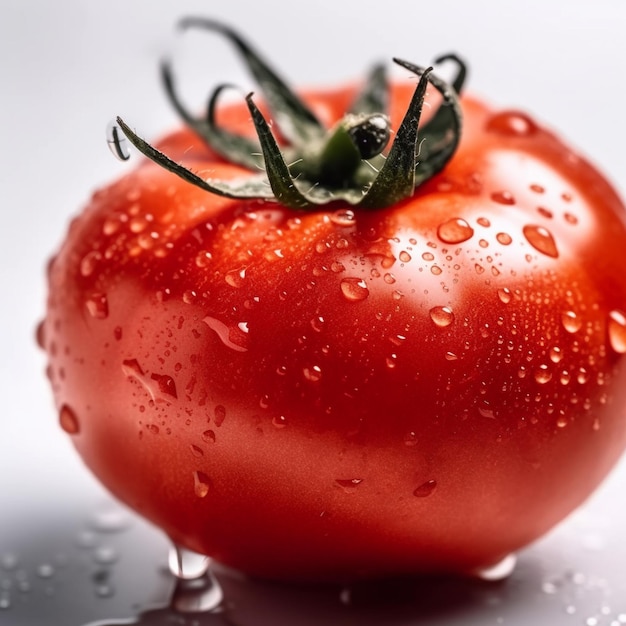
pixel 326 396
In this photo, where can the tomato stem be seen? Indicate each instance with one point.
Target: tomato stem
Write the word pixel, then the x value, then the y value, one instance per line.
pixel 317 166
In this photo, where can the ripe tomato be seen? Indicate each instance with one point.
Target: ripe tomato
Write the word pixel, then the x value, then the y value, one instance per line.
pixel 339 392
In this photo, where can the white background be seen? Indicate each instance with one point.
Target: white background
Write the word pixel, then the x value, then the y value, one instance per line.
pixel 68 67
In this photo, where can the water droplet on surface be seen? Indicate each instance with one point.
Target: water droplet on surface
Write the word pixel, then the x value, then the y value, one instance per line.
pixel 208 436
pixel 455 230
pixel 561 421
pixel 201 484
pixel 97 306
pixel 343 217
pixel 404 256
pixel 45 570
pixel 505 295
pixel 348 484
pixel 110 521
pixel 186 564
pixel 450 356
pixel 503 197
pixel 219 415
pixel 69 420
pixel 410 439
pixel 312 374
pixel 236 278
pixel 556 354
pixel 571 322
pixel 543 375
pixel 501 570
pixel 425 489
pixel 232 337
pixel 117 142
pixel 617 331
pixel 166 384
pixel 442 316
pixel 570 218
pixel 511 124
pixel 541 239
pixel 105 555
pixel 504 238
pixel 354 289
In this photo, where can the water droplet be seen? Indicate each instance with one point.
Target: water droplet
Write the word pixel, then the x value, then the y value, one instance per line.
pixel 317 323
pixel 69 420
pixel 501 570
pixel 203 259
pixel 280 421
pixel 117 142
pixel 505 295
pixel 201 484
pixel 425 489
pixel 232 337
pixel 541 239
pixel 165 384
pixel 404 256
pixel 236 278
pixel 208 436
pixel 582 376
pixel 617 331
pixel 571 322
pixel 105 555
pixel 556 354
pixel 561 421
pixel 186 564
pixel 5 602
pixel 511 124
pixel 570 218
pixel 483 221
pixel 110 520
pixel 450 356
pixel 442 316
pixel 9 562
pixel 410 439
pixel 349 484
pixel 455 230
pixel 354 289
pixel 503 197
pixel 197 451
pixel 343 217
pixel 219 415
pixel 485 410
pixel 312 374
pixel 504 238
pixel 45 570
pixel 428 256
pixel 98 306
pixel 543 375
pixel 89 263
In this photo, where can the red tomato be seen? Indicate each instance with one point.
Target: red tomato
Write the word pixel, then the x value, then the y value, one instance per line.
pixel 339 393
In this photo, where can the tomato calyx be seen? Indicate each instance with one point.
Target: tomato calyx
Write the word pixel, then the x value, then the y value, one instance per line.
pixel 317 165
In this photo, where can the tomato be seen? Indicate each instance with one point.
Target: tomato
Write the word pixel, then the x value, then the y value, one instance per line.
pixel 334 391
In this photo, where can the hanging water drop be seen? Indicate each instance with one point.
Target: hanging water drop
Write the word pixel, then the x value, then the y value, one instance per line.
pixel 499 571
pixel 186 564
pixel 117 142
